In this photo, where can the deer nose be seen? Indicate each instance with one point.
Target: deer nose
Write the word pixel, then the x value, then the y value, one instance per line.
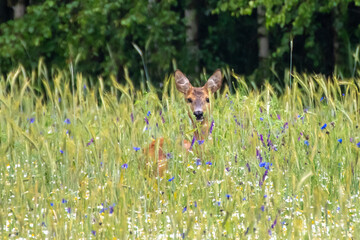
pixel 198 114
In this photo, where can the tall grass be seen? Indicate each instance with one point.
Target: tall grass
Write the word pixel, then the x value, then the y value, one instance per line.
pixel 272 168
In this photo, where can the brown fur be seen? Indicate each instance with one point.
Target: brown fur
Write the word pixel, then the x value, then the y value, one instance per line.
pixel 198 100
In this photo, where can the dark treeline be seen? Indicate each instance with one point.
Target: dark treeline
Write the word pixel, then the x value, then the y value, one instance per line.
pixel 252 37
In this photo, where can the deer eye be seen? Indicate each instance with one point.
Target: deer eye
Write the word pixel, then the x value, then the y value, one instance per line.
pixel 207 100
pixel 189 100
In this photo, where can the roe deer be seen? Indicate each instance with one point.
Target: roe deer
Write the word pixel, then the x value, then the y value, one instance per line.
pixel 198 99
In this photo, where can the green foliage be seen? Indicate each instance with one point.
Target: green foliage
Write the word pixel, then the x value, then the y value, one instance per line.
pixel 97 34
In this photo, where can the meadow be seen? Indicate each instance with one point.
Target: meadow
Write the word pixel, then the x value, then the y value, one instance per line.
pixel 276 166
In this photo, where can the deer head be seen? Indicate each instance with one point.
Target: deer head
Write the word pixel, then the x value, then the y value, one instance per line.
pixel 198 97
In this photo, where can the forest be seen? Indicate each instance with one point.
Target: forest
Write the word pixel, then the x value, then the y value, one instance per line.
pixel 260 39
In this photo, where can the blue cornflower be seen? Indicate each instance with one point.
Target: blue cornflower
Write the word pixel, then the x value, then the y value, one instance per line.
pixel 192 142
pixel 324 126
pixel 262 208
pixel 265 196
pixel 209 163
pixel 200 142
pixel 93 232
pixel 148 113
pixel 244 199
pixel 124 166
pixel 63 201
pixel 261 119
pixel 68 210
pixel 358 144
pixel 195 204
pixel 322 98
pixel 61 151
pixel 111 209
pixel 340 140
pixel 171 179
pixel 262 164
pixel 136 149
pixel 184 210
pixel 169 156
pixel 67 121
pixel 52 204
pixel 84 86
pixel 228 196
pixel 338 208
pixel 306 142
pixel 32 120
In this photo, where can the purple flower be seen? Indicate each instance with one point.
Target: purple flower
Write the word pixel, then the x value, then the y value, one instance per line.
pixel 84 86
pixel 91 141
pixel 209 163
pixel 148 113
pixel 244 199
pixel 93 232
pixel 32 120
pixel 184 210
pixel 146 120
pixel 192 142
pixel 132 117
pixel 169 156
pixel 200 142
pixel 278 116
pixel 124 166
pixel 136 149
pixel 61 151
pixel 171 179
pixel 212 126
pixel 111 210
pixel 324 126
pixel 67 121
pixel 248 167
pixel 68 210
pixel 198 162
pixel 64 201
pixel 261 119
pixel 262 208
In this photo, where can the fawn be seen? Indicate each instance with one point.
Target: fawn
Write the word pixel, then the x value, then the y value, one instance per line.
pixel 198 99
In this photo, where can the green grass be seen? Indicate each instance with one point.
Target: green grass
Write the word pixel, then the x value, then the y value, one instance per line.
pixel 310 191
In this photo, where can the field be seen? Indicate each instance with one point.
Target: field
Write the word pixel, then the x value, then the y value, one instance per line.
pixel 281 166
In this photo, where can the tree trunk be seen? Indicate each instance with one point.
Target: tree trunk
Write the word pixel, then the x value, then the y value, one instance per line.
pixel 192 33
pixel 19 9
pixel 262 35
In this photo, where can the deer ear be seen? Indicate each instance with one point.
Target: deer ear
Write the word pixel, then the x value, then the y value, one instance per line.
pixel 215 81
pixel 182 82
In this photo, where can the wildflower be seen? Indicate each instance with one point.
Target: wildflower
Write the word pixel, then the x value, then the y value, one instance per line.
pixel 52 204
pixel 209 163
pixel 340 140
pixel 248 167
pixel 146 120
pixel 322 98
pixel 101 163
pixel 261 119
pixel 111 209
pixel 244 199
pixel 91 141
pixel 171 179
pixel 84 86
pixel 228 196
pixel 198 162
pixel 63 201
pixel 192 142
pixel 195 204
pixel 136 149
pixel 265 196
pixel 169 156
pixel 184 210
pixel 61 151
pixel 219 203
pixel 351 140
pixel 212 126
pixel 227 169
pixel 148 113
pixel 93 232
pixel 124 166
pixel 324 126
pixel 306 142
pixel 68 210
pixel 200 142
pixel 132 117
pixel 343 94
pixel 67 121
pixel 262 164
pixel 262 208
pixel 278 116
pixel 31 120
pixel 338 208
pixel 358 144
